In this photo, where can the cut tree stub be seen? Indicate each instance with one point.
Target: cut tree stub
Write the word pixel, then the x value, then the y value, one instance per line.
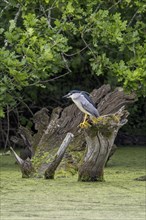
pixel 99 140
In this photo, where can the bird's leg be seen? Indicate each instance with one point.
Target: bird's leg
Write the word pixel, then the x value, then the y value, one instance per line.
pixel 84 124
pixel 85 117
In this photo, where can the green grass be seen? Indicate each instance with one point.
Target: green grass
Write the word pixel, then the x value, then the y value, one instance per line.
pixel 120 197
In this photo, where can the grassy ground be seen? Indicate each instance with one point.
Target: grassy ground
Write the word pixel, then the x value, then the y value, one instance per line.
pixel 119 198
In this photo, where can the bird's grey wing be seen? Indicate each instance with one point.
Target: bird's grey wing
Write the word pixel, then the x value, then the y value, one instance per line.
pixel 89 107
pixel 86 94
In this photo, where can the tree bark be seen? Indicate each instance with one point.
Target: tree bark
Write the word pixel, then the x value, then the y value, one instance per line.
pixel 51 131
pixel 50 171
pixel 28 168
pixel 25 165
pixel 100 139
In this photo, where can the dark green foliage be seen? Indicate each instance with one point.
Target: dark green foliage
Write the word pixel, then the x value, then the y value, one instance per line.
pixel 49 47
pixel 137 118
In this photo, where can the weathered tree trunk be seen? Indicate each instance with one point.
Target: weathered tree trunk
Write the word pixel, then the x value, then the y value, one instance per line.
pixel 50 171
pixel 52 130
pixel 25 165
pixel 28 167
pixel 100 139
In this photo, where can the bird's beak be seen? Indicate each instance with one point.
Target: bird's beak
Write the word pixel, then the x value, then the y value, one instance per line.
pixel 66 96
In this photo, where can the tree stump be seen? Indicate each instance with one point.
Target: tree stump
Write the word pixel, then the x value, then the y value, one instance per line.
pixel 99 140
pixel 25 165
pixel 52 129
pixel 28 167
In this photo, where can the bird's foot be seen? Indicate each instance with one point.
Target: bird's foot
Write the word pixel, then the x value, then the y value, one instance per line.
pixel 84 124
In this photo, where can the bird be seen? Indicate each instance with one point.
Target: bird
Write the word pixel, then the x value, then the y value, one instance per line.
pixel 85 104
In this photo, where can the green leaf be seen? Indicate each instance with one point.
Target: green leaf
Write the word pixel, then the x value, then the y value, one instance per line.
pixel 70 9
pixel 12 25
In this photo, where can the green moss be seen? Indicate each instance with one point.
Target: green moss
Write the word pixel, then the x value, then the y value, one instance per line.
pixel 115 118
pixel 103 124
pixel 64 173
pixel 66 168
pixel 101 121
pixel 42 157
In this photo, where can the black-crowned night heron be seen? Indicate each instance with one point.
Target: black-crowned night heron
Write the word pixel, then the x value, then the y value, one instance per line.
pixel 85 104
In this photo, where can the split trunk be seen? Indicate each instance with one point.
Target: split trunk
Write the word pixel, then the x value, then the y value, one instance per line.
pixel 97 139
